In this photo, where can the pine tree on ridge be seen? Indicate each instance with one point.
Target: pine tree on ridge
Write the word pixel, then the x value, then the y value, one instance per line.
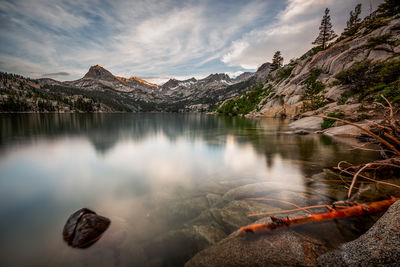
pixel 277 61
pixel 326 33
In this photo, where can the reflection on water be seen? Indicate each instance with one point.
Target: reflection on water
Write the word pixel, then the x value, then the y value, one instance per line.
pixel 171 184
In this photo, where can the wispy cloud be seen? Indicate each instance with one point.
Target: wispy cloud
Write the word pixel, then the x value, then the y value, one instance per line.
pixel 128 37
pixel 157 39
pixel 292 32
pixel 56 74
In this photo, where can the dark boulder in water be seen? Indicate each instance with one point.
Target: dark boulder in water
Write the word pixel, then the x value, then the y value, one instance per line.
pixel 84 228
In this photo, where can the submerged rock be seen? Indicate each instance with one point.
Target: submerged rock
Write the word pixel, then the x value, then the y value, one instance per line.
pixel 283 248
pixel 380 246
pixel 84 227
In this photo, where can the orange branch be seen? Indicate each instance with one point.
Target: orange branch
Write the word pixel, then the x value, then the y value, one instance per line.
pixel 357 210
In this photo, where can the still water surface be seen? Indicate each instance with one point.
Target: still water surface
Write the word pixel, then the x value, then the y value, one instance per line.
pixel 171 184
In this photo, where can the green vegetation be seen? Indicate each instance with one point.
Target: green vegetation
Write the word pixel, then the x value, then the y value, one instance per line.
pixel 389 91
pixel 109 97
pixel 374 24
pixel 245 103
pixel 344 97
pixel 277 61
pixel 359 75
pixel 313 51
pixel 284 73
pixel 353 24
pixel 13 104
pixel 381 39
pixel 389 8
pixel 367 77
pixel 362 117
pixel 328 123
pixel 19 94
pixel 312 100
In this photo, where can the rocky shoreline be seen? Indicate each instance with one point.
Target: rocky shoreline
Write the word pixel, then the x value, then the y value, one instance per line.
pixel 310 245
pixel 379 246
pixel 308 125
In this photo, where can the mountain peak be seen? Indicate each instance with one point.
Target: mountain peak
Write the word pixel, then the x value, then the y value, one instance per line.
pixel 99 73
pixel 217 77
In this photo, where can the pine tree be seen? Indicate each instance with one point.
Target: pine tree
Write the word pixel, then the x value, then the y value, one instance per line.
pixel 326 32
pixel 277 61
pixel 354 19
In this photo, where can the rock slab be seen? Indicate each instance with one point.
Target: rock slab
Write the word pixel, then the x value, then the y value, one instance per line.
pixel 379 246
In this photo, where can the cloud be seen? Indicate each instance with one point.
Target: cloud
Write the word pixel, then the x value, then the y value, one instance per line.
pixel 296 26
pixel 138 38
pixel 172 38
pixel 55 74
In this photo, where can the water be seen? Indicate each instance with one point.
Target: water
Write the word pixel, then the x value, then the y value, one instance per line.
pixel 172 184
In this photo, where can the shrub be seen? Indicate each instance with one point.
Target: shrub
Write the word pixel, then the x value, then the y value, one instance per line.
pixel 362 117
pixel 381 39
pixel 245 103
pixel 389 8
pixel 374 24
pixel 360 75
pixel 312 99
pixel 328 123
pixel 390 72
pixel 349 32
pixel 390 91
pixel 284 73
pixel 344 97
pixel 313 51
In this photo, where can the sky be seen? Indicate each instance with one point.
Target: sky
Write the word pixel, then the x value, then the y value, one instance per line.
pixel 157 40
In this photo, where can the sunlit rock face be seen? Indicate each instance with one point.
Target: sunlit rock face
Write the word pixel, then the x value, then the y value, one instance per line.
pixel 98 72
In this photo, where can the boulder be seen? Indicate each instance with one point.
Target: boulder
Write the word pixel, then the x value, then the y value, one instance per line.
pixel 307 123
pixel 379 246
pixel 84 227
pixel 70 225
pixel 347 130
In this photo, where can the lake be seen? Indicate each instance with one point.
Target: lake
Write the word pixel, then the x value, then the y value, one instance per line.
pixel 172 184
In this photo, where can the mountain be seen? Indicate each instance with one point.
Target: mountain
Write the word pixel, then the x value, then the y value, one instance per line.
pixel 346 78
pixel 97 72
pixel 105 92
pixel 202 95
pixel 244 76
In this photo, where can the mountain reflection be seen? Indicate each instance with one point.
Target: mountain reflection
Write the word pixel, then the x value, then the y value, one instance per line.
pixel 269 137
pixel 105 130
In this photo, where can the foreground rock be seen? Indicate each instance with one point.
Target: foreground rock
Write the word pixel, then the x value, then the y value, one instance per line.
pixel 311 245
pixel 380 246
pixel 84 228
pixel 280 248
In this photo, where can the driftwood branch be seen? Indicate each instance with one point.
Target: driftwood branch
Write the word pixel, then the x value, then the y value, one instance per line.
pixel 360 209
